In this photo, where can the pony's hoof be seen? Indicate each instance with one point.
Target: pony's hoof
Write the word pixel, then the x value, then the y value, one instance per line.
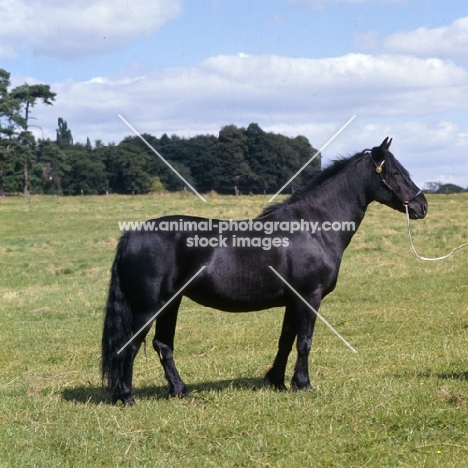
pixel 179 393
pixel 269 383
pixel 126 400
pixel 129 401
pixel 296 387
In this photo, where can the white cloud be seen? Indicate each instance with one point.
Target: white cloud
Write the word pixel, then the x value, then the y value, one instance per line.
pixel 445 41
pixel 313 97
pixel 353 83
pixel 430 150
pixel 75 29
pixel 276 89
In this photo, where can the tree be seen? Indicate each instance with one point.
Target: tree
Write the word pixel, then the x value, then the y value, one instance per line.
pixel 26 97
pixel 8 107
pixel 276 158
pixel 251 158
pixel 262 158
pixel 85 171
pixel 20 100
pixel 16 177
pixel 53 165
pixel 439 187
pixel 171 149
pixel 301 147
pixel 432 186
pixel 127 168
pixel 11 166
pixel 64 137
pixel 231 158
pixel 200 157
pixel 2 187
pixel 449 188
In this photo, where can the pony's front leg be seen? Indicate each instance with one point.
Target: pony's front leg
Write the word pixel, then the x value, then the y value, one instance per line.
pixel 275 376
pixel 306 321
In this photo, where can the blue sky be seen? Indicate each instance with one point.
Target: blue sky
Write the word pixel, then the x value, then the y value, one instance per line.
pixel 292 66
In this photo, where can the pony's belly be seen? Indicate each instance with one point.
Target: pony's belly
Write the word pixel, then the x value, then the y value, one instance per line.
pixel 237 279
pixel 236 294
pixel 228 304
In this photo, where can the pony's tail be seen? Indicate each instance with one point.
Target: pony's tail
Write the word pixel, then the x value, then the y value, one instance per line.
pixel 117 331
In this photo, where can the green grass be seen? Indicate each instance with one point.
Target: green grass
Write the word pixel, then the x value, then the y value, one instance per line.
pixel 401 401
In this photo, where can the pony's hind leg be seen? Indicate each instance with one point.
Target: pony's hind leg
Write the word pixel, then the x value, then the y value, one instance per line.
pixel 275 376
pixel 125 390
pixel 163 344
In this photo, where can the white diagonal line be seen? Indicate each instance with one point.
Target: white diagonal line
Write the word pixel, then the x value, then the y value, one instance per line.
pixel 160 157
pixel 312 158
pixel 313 310
pixel 161 309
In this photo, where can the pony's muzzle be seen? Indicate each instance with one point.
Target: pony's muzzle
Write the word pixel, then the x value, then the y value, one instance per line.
pixel 417 206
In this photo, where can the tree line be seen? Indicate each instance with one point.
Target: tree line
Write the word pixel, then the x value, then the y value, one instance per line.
pixel 441 188
pixel 249 160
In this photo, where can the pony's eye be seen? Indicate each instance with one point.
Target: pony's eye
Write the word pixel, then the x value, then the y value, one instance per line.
pixel 396 173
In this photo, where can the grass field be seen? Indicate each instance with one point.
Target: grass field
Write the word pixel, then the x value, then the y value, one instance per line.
pixel 402 400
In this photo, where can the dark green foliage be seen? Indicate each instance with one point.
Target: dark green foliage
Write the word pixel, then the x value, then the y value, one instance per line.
pixel 250 159
pixel 20 147
pixel 172 151
pixel 232 156
pixel 26 97
pixel 449 188
pixel 439 187
pixel 275 158
pixel 127 168
pixel 64 135
pixel 85 172
pixel 263 161
pixel 8 106
pixel 53 164
pixel 203 166
pixel 12 165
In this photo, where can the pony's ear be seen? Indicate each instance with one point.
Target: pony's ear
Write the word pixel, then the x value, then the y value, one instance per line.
pixel 386 143
pixel 379 151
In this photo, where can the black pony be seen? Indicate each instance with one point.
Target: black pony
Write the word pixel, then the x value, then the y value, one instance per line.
pixel 152 265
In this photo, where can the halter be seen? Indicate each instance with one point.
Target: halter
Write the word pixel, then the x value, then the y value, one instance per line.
pixel 379 170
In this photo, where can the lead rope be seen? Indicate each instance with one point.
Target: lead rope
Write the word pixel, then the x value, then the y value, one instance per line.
pixel 414 250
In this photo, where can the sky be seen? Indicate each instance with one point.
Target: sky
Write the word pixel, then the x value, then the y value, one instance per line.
pixel 296 67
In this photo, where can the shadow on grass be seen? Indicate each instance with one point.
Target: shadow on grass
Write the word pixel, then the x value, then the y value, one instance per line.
pixel 429 374
pixel 96 395
pixel 454 376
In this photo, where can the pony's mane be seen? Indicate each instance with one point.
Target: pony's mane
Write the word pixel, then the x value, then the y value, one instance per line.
pixel 313 182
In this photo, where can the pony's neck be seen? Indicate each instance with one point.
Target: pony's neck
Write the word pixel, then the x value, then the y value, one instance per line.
pixel 342 198
pixel 343 195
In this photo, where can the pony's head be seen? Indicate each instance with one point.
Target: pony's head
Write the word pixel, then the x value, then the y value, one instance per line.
pixel 391 183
